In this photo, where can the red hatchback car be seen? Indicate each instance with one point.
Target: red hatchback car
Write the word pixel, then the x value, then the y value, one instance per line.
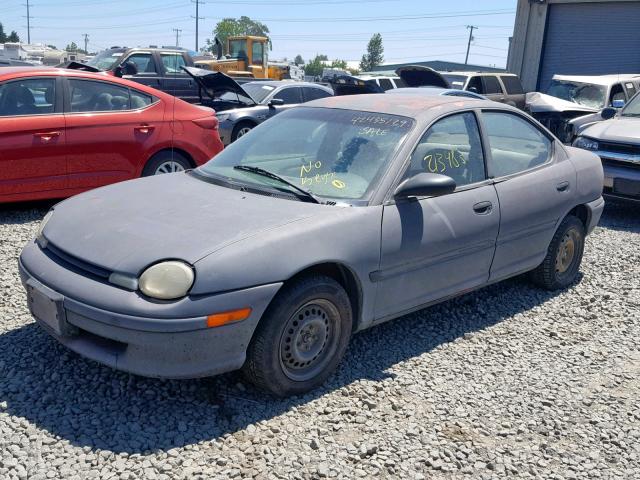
pixel 66 131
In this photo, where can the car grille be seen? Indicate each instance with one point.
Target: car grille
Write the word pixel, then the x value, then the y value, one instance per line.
pixel 74 263
pixel 619 148
pixel 608 162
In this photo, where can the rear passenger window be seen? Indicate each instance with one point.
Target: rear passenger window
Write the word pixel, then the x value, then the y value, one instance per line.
pixel 311 93
pixel 140 100
pixel 516 145
pixel 89 96
pixel 512 84
pixel 28 97
pixel 290 95
pixel 451 147
pixel 385 84
pixel 491 85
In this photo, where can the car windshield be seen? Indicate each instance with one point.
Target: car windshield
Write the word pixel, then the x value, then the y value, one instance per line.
pixel 456 81
pixel 332 153
pixel 105 60
pixel 258 90
pixel 585 94
pixel 632 109
pixel 237 49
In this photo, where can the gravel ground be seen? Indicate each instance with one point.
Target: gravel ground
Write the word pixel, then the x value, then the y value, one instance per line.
pixel 509 382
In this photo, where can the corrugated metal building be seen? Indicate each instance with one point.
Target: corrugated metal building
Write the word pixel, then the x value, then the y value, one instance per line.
pixel 574 37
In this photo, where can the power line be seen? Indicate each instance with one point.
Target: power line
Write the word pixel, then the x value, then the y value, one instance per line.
pixel 471 28
pixel 198 18
pixel 177 30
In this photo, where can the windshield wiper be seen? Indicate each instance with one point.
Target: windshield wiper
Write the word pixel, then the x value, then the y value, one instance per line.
pixel 268 174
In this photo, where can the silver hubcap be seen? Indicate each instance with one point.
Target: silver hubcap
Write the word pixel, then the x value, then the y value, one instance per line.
pixel 566 251
pixel 243 131
pixel 169 167
pixel 309 340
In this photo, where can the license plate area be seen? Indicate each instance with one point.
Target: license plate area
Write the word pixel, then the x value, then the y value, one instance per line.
pixel 624 186
pixel 47 307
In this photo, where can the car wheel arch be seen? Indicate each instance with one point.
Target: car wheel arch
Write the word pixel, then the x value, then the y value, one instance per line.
pixel 582 213
pixel 177 150
pixel 347 279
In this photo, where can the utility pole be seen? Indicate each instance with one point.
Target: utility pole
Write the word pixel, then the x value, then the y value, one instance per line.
pixel 177 30
pixel 28 22
pixel 471 29
pixel 197 17
pixel 86 42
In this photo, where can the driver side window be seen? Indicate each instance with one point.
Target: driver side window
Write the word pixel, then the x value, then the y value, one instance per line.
pixel 451 147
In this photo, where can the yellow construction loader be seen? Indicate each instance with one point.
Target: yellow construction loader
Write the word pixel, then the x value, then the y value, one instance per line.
pixel 247 58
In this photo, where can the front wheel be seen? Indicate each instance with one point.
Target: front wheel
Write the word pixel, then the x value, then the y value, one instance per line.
pixel 241 130
pixel 166 162
pixel 301 338
pixel 564 256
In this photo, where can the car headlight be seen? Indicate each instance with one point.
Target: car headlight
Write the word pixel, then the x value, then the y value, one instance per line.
pixel 586 143
pixel 222 117
pixel 43 223
pixel 166 280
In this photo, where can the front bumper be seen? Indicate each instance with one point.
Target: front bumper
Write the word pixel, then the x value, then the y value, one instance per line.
pixel 621 179
pixel 149 346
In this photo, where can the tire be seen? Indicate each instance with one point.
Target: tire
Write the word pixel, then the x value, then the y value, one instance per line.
pixel 241 129
pixel 301 338
pixel 557 270
pixel 166 162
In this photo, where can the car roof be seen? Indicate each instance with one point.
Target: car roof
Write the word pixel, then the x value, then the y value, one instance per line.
pixel 436 91
pixel 599 79
pixel 412 105
pixel 467 73
pixel 36 70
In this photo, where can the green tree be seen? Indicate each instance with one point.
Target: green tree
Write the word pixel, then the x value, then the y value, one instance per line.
pixel 341 64
pixel 13 37
pixel 231 27
pixel 3 36
pixel 373 57
pixel 315 66
pixel 72 47
pixel 298 60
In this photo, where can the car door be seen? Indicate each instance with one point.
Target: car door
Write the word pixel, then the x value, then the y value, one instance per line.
pixel 432 248
pixel 110 131
pixel 535 182
pixel 32 136
pixel 148 71
pixel 291 96
pixel 492 89
pixel 175 80
pixel 314 93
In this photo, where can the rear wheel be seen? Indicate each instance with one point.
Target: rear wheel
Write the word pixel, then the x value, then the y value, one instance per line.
pixel 241 130
pixel 564 256
pixel 301 338
pixel 166 162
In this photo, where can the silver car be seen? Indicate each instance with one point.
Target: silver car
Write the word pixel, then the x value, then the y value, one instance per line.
pixel 617 142
pixel 326 220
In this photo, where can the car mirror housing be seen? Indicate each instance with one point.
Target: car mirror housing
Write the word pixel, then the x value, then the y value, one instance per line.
pixel 425 185
pixel 608 113
pixel 276 102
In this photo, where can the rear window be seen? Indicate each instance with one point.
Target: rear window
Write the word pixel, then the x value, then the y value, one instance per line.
pixel 385 84
pixel 512 84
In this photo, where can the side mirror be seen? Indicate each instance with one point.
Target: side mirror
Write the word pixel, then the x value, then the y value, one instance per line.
pixel 608 113
pixel 618 103
pixel 472 89
pixel 425 185
pixel 276 102
pixel 126 68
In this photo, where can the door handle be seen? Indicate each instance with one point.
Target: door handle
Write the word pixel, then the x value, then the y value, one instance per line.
pixel 144 128
pixel 483 208
pixel 46 136
pixel 562 186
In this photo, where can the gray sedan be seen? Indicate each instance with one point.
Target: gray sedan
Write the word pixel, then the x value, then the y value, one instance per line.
pixel 321 222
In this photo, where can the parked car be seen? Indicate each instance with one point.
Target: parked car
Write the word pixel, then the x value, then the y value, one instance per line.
pixel 499 87
pixel 571 102
pixel 447 92
pixel 330 218
pixel 407 76
pixel 385 82
pixel 244 106
pixel 65 131
pixel 617 142
pixel 160 68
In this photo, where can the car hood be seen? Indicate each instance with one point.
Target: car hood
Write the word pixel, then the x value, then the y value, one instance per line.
pixel 128 226
pixel 619 129
pixel 538 102
pixel 217 83
pixel 420 76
